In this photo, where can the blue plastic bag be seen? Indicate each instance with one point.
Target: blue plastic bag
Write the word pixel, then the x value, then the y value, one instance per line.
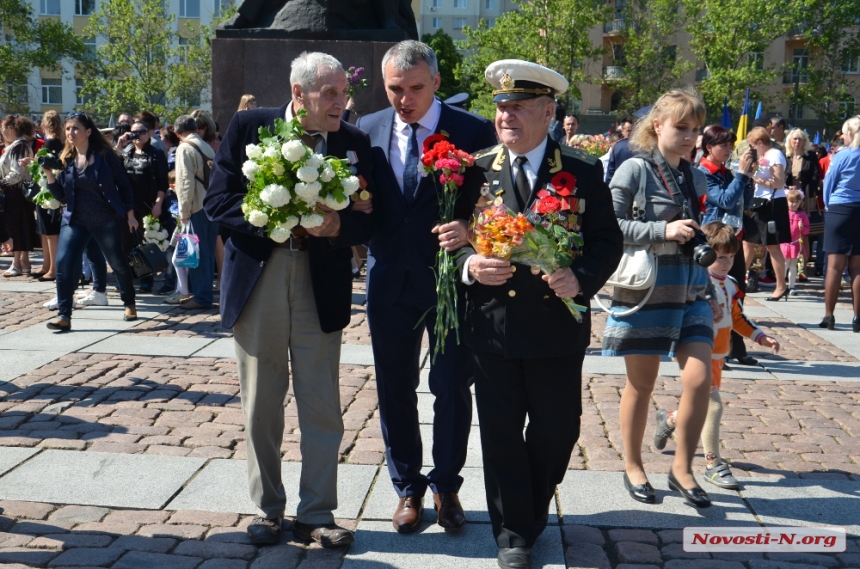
pixel 187 252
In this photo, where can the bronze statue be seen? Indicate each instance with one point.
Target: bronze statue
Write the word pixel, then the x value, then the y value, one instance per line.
pixel 372 20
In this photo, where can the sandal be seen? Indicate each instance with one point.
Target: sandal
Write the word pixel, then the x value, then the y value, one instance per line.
pixel 12 271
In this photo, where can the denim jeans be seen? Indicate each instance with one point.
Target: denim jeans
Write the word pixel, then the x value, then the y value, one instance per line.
pixel 95 261
pixel 73 241
pixel 201 278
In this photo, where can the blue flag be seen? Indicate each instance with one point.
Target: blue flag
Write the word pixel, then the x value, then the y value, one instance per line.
pixel 758 111
pixel 817 139
pixel 727 117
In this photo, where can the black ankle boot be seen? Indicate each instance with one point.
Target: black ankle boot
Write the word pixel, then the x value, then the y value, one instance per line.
pixel 855 324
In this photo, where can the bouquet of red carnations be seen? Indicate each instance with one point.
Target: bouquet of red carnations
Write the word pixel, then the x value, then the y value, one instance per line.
pixel 547 238
pixel 442 158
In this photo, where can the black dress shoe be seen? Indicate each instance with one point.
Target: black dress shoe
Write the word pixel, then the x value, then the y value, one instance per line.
pixel 449 512
pixel 747 361
pixel 855 324
pixel 265 531
pixel 694 496
pixel 641 492
pixel 514 558
pixel 326 535
pixel 828 322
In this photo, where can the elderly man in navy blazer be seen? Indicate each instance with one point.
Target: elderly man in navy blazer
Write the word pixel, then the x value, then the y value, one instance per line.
pixel 401 285
pixel 288 304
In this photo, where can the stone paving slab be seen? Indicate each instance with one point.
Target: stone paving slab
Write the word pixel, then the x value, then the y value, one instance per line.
pixel 221 348
pixel 812 371
pixel 147 346
pixel 378 546
pixel 114 311
pixel 99 479
pixel 606 365
pixel 222 486
pixel 84 333
pixel 21 285
pixel 600 499
pixel 10 457
pixel 383 499
pixel 18 361
pixel 797 502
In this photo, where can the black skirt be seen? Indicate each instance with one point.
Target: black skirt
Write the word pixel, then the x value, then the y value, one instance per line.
pixel 775 210
pixel 48 220
pixel 842 229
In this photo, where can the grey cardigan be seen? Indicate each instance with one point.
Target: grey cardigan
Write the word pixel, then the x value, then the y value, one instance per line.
pixel 660 208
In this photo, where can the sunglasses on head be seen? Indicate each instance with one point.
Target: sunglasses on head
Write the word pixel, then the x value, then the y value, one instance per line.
pixel 78 114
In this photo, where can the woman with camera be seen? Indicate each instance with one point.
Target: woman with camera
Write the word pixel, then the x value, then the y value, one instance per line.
pixel 842 228
pixel 98 197
pixel 146 167
pixel 770 206
pixel 677 319
pixel 20 219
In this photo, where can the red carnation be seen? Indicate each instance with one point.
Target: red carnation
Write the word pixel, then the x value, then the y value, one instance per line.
pixel 431 140
pixel 563 183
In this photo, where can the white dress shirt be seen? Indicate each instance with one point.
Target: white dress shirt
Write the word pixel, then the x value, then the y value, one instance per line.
pixel 324 133
pixel 402 132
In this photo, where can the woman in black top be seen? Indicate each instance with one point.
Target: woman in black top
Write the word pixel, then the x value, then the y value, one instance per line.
pixel 17 132
pixel 802 171
pixel 99 203
pixel 146 167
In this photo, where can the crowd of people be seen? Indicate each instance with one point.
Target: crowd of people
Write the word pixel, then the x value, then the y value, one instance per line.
pixel 700 206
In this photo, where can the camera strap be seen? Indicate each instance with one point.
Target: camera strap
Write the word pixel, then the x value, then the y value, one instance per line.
pixel 680 192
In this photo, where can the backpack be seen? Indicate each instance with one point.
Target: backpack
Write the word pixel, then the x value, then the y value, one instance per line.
pixel 207 165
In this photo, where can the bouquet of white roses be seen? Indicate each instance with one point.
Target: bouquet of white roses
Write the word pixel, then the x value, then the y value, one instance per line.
pixel 286 180
pixel 154 233
pixel 44 198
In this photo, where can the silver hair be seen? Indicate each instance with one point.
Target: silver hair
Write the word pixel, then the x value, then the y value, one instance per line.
pixel 407 54
pixel 183 124
pixel 307 68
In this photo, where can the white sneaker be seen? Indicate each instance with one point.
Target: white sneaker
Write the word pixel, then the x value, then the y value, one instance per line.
pixel 54 304
pixel 95 299
pixel 174 297
pixel 83 293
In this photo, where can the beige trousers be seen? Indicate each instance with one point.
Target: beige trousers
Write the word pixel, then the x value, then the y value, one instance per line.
pixel 278 325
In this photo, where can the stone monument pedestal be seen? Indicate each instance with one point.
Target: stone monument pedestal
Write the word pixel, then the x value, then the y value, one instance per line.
pixel 261 67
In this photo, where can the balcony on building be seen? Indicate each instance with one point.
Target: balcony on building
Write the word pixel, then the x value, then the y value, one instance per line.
pixel 612 72
pixel 615 26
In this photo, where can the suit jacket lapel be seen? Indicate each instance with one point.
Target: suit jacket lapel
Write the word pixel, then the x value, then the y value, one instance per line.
pixel 385 133
pixel 335 144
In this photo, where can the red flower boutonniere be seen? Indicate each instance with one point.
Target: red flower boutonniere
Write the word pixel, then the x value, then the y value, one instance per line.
pixel 564 183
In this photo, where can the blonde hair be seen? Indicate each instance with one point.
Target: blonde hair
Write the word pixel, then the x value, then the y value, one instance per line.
pixel 243 102
pixel 677 105
pixel 796 133
pixel 794 196
pixel 852 127
pixel 759 134
pixel 53 125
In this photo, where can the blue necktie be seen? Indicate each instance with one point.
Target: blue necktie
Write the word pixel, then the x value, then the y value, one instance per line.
pixel 410 167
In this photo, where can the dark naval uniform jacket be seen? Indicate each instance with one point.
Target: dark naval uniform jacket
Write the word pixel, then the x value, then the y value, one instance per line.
pixel 523 318
pixel 248 249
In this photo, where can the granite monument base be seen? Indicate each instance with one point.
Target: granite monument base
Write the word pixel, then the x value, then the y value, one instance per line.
pixel 261 67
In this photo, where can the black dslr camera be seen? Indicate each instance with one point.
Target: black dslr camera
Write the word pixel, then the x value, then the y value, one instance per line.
pixel 133 135
pixel 51 162
pixel 699 250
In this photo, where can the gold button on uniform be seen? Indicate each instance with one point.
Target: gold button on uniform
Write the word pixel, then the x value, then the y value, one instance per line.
pixel 513 269
pixel 512 293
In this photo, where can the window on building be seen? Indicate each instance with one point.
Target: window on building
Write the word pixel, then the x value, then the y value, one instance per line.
pixel 81 100
pixel 84 7
pixel 437 23
pixel 850 63
pixel 491 22
pixel 222 6
pixel 89 49
pixel 847 107
pixel 189 8
pixel 52 91
pixel 184 43
pixel 19 94
pixel 795 112
pixel 489 5
pixel 459 23
pixel 461 4
pixel 49 7
pixel 799 66
pixel 756 60
pixel 435 3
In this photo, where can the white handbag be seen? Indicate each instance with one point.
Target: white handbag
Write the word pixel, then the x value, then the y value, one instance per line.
pixel 637 269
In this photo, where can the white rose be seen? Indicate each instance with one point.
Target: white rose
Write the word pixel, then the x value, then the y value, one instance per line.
pixel 350 185
pixel 275 195
pixel 270 152
pixel 150 234
pixel 258 218
pixel 250 168
pixel 253 151
pixel 293 150
pixel 327 175
pixel 278 169
pixel 311 220
pixel 315 161
pixel 53 204
pixel 307 174
pixel 43 182
pixel 332 202
pixel 279 235
pixel 291 222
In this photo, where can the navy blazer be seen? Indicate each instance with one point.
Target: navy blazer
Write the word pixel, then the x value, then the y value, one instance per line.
pixel 403 243
pixel 619 154
pixel 113 184
pixel 248 249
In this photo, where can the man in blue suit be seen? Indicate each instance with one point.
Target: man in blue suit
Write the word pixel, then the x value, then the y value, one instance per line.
pixel 288 304
pixel 621 152
pixel 401 285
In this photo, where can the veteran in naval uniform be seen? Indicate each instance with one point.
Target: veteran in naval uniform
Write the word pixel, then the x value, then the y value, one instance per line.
pixel 528 348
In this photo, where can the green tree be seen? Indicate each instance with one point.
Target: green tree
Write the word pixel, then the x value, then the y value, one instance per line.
pixel 146 64
pixel 449 59
pixel 730 39
pixel 32 43
pixel 553 33
pixel 833 46
pixel 646 53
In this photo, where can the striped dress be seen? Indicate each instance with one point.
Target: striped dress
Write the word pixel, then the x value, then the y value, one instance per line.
pixel 677 311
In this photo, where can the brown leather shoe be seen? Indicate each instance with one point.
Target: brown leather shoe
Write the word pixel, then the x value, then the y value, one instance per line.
pixel 407 516
pixel 59 325
pixel 449 512
pixel 130 314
